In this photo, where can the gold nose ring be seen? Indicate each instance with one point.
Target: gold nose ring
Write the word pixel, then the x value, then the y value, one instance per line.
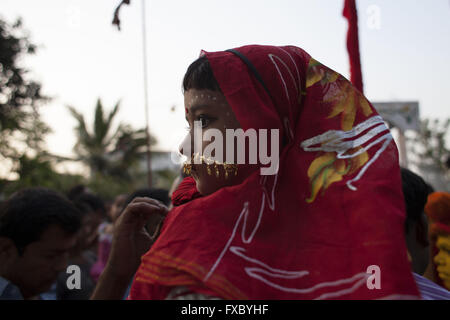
pixel 228 168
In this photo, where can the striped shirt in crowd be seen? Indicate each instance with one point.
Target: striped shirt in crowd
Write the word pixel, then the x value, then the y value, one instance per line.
pixel 430 290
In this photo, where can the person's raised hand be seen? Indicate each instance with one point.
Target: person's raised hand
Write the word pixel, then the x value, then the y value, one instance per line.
pixel 131 239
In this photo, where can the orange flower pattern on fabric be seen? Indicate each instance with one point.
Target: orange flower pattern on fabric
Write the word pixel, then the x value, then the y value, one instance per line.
pixel 326 169
pixel 345 100
pixel 318 72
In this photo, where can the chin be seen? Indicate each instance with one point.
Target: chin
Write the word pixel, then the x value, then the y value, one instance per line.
pixel 206 187
pixel 204 191
pixel 203 184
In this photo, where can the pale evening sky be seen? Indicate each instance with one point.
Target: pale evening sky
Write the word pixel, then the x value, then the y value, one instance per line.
pixel 405 53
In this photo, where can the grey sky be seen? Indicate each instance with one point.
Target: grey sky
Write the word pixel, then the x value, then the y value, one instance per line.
pixel 84 57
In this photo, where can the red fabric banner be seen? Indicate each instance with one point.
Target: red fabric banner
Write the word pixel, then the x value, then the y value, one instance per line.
pixel 351 15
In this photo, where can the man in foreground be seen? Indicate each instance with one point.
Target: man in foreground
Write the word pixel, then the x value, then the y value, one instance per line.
pixel 37 228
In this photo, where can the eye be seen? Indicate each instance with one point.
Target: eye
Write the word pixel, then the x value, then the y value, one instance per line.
pixel 205 120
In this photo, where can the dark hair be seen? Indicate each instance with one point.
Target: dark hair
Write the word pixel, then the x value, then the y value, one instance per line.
pixel 83 208
pixel 154 222
pixel 199 75
pixel 29 212
pixel 94 202
pixel 415 192
pixel 158 194
pixel 76 191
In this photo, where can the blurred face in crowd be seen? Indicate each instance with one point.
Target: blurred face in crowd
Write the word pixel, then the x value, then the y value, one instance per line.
pixel 116 207
pixel 213 111
pixel 37 268
pixel 88 234
pixel 442 259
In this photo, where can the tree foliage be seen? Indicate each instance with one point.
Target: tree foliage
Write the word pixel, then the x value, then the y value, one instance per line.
pixel 430 152
pixel 21 128
pixel 430 145
pixel 38 171
pixel 111 152
pixel 107 150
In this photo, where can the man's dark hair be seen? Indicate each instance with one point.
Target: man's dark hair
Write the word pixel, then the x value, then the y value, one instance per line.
pixel 76 191
pixel 415 191
pixel 29 212
pixel 154 193
pixel 199 75
pixel 94 202
pixel 154 222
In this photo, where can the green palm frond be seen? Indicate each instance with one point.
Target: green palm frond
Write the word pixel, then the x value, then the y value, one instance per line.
pixel 108 150
pixel 99 124
pixel 84 137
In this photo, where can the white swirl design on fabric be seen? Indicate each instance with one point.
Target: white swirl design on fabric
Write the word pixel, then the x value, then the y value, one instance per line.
pixel 342 141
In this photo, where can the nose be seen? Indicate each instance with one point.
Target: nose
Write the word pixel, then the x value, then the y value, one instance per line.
pixel 439 259
pixel 187 146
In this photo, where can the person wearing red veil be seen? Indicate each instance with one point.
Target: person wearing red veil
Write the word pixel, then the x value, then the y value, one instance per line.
pixel 326 223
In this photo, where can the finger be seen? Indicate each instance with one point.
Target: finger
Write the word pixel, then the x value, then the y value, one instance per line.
pixel 146 209
pixel 149 200
pixel 156 202
pixel 140 212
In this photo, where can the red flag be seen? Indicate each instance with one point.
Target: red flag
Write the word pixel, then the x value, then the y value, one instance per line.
pixel 351 15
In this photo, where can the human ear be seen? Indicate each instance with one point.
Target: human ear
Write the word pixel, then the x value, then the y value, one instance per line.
pixel 7 249
pixel 8 253
pixel 422 231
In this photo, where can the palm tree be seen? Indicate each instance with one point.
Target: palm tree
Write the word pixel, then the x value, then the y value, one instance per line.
pixel 104 150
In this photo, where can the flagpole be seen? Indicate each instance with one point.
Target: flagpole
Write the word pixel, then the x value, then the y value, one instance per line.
pixel 147 127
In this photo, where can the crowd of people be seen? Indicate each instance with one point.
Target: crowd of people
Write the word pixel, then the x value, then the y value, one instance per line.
pixel 338 205
pixel 44 231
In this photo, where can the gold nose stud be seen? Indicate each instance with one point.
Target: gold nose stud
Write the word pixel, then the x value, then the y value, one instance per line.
pixel 187 168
